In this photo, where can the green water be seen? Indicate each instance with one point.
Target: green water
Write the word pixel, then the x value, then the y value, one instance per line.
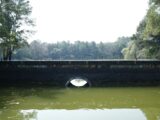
pixel 47 103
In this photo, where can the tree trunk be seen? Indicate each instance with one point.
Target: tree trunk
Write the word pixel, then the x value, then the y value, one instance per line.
pixel 4 55
pixel 10 55
pixel 7 54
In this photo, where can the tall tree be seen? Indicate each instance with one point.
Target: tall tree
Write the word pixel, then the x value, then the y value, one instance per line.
pixel 13 15
pixel 147 37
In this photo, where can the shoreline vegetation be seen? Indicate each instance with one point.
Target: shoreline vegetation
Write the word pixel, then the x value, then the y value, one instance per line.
pixel 14 14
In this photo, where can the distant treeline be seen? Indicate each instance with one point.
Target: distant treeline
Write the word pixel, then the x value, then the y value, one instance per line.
pixel 143 44
pixel 78 50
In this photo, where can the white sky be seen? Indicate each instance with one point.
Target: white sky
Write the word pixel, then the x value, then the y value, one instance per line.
pixel 86 20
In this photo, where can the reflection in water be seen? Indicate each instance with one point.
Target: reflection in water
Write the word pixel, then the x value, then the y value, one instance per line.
pixel 84 114
pixel 29 115
pixel 32 103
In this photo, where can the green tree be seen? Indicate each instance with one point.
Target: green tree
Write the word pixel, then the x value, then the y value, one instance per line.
pixel 13 15
pixel 154 1
pixel 147 37
pixel 73 51
pixel 152 23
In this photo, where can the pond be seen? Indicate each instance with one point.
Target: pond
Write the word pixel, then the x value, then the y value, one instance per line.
pixel 47 103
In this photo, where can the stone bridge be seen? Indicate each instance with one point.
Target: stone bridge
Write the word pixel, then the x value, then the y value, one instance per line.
pixel 99 73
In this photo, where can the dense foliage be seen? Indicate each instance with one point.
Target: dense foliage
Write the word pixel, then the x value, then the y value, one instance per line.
pixel 145 42
pixel 13 15
pixel 66 50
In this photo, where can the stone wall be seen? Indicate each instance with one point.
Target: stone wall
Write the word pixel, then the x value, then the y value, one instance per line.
pixel 99 73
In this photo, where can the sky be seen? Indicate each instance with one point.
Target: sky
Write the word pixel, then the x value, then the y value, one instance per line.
pixel 86 20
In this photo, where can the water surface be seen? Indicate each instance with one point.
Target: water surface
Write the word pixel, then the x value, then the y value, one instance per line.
pixel 47 103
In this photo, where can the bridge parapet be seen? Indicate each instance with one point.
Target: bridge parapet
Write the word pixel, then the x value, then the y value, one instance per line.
pixel 99 73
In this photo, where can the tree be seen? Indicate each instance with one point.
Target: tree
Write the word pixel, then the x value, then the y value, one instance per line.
pixel 132 51
pixel 119 45
pixel 152 23
pixel 154 2
pixel 39 50
pixel 73 51
pixel 147 37
pixel 13 15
